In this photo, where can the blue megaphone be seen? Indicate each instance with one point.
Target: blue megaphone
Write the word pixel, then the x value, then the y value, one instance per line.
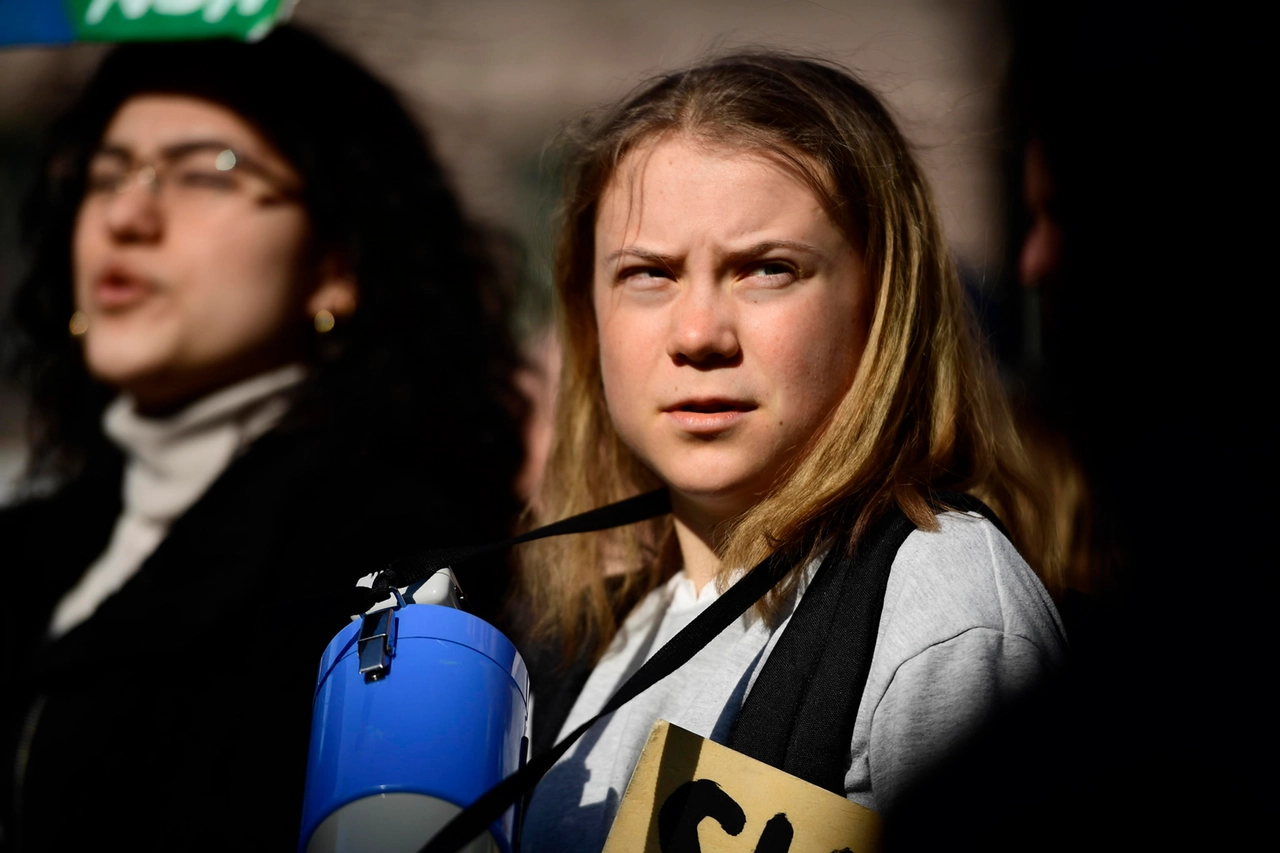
pixel 419 709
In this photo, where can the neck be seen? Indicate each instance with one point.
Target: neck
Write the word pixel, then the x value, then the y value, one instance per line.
pixel 173 460
pixel 166 392
pixel 697 531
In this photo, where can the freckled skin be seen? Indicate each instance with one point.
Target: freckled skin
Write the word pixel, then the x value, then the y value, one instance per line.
pixel 720 280
pixel 228 289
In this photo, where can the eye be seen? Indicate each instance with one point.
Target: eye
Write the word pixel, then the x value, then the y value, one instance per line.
pixel 104 175
pixel 104 181
pixel 205 179
pixel 644 277
pixel 772 272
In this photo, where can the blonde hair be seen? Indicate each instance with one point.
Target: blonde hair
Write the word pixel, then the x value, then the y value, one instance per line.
pixel 925 412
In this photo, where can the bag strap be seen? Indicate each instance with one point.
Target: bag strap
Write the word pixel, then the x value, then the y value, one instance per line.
pixel 409 570
pixel 721 613
pixel 800 713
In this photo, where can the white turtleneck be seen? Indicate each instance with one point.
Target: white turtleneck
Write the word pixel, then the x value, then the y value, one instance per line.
pixel 169 463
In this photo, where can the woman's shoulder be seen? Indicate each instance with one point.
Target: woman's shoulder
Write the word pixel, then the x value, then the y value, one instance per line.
pixel 966 576
pixel 49 517
pixel 966 626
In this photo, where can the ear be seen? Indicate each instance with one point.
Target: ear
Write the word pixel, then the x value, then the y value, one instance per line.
pixel 335 292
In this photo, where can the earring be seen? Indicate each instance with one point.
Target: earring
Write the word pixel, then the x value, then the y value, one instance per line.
pixel 79 324
pixel 324 321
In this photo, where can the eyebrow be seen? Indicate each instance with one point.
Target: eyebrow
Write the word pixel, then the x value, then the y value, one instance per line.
pixel 642 254
pixel 750 252
pixel 180 149
pixel 177 149
pixel 767 246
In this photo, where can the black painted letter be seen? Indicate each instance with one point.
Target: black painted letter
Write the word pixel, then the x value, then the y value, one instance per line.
pixel 686 807
pixel 777 835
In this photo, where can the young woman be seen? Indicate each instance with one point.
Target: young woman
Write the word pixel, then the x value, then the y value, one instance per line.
pixel 265 358
pixel 759 313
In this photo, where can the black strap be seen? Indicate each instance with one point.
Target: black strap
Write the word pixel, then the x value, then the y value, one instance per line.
pixel 809 687
pixel 943 501
pixel 800 713
pixel 410 570
pixel 739 598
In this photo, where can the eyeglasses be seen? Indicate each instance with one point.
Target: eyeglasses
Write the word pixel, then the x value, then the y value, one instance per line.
pixel 187 177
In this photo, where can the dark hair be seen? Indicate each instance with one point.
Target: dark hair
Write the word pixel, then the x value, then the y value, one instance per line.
pixel 427 358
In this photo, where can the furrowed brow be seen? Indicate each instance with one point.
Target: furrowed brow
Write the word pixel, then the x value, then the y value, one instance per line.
pixel 764 248
pixel 656 258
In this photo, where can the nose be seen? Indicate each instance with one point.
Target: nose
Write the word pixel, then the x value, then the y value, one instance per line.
pixel 704 330
pixel 133 215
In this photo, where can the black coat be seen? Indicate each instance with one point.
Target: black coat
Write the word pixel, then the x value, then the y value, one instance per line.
pixel 177 717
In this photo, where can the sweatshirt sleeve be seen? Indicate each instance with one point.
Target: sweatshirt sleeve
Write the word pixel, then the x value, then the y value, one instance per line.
pixel 966 626
pixel 940 696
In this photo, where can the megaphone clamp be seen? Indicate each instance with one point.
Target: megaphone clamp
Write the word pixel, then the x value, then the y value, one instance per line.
pixel 377 643
pixel 419 709
pixel 423 708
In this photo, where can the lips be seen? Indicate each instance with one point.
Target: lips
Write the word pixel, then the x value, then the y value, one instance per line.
pixel 118 288
pixel 709 415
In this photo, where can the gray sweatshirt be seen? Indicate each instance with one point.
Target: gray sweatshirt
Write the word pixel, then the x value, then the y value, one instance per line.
pixel 966 625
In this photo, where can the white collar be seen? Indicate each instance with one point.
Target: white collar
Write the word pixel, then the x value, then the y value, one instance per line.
pixel 681 597
pixel 171 461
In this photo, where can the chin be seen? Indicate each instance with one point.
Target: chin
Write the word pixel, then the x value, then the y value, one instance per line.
pixel 121 366
pixel 720 495
pixel 718 479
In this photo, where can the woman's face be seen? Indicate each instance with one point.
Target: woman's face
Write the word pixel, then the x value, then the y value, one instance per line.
pixel 190 252
pixel 732 314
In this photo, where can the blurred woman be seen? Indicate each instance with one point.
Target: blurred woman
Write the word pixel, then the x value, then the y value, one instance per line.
pixel 760 315
pixel 266 356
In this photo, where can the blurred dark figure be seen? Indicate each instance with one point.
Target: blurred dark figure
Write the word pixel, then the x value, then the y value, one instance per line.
pixel 266 354
pixel 1143 236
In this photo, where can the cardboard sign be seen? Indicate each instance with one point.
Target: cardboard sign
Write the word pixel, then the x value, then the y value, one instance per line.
pixel 690 795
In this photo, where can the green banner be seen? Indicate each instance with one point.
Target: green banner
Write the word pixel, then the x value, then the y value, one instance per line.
pixel 145 20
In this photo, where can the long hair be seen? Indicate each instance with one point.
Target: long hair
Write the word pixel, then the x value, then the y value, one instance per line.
pixel 426 362
pixel 925 412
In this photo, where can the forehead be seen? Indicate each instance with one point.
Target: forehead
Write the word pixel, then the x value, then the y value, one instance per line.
pixel 676 188
pixel 147 124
